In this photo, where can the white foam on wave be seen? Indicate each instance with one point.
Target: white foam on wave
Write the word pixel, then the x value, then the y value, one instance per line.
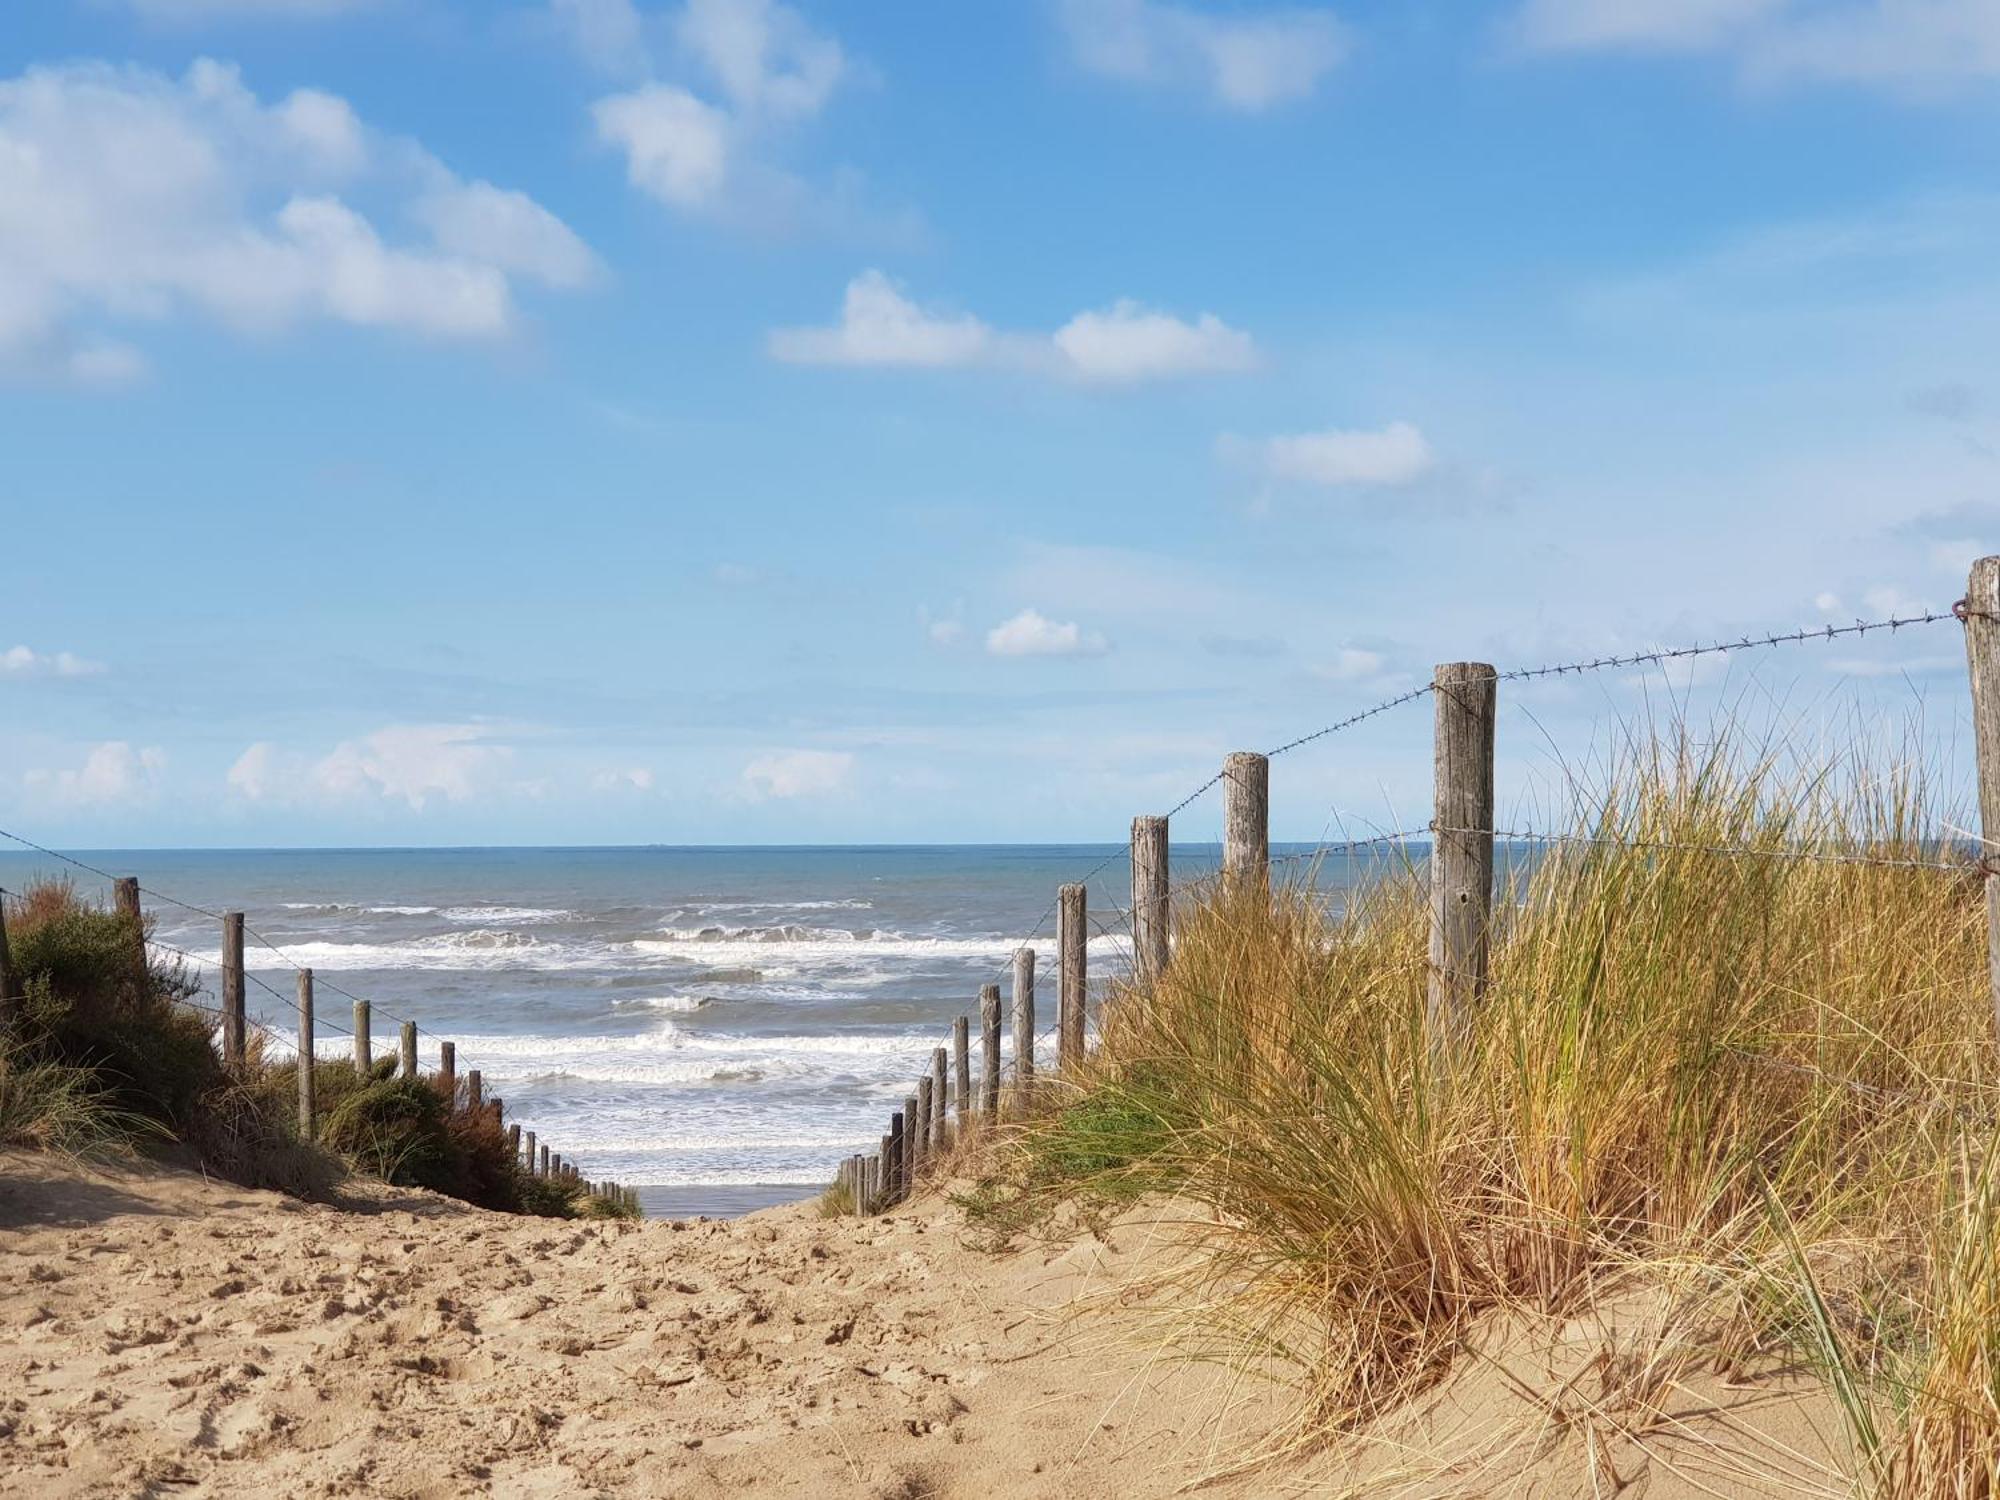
pixel 505 914
pixel 669 1055
pixel 661 1002
pixel 845 905
pixel 720 946
pixel 373 911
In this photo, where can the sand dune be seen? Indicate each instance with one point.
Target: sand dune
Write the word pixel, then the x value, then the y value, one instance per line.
pixel 166 1334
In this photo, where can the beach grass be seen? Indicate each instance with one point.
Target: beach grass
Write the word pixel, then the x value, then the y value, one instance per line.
pixel 1760 1083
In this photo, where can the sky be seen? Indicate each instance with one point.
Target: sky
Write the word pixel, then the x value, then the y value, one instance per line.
pixel 605 421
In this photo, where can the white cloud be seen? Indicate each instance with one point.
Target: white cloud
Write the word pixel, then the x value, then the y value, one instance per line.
pixel 1396 455
pixel 127 196
pixel 782 774
pixel 1955 556
pixel 111 773
pixel 634 778
pixel 676 147
pixel 880 325
pixel 1247 60
pixel 1897 42
pixel 1127 342
pixel 1030 633
pixel 703 143
pixel 412 763
pixel 23 661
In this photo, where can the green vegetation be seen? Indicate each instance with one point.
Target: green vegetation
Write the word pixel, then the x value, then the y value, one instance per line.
pixel 1763 1085
pixel 109 1054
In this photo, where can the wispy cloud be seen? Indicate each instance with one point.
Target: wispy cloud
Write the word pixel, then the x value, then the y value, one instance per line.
pixel 24 661
pixel 1126 343
pixel 112 773
pixel 416 764
pixel 1031 633
pixel 783 774
pixel 1247 59
pixel 1386 458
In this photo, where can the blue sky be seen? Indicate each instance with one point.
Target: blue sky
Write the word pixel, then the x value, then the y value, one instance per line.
pixel 429 422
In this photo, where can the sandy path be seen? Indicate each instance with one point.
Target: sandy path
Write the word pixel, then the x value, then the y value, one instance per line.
pixel 165 1335
pixel 169 1335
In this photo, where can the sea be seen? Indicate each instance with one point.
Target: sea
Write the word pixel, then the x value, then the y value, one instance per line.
pixel 717 1027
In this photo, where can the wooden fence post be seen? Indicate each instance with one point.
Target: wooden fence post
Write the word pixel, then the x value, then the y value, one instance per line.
pixel 232 989
pixel 1024 1025
pixel 306 1101
pixel 125 892
pixel 899 1135
pixel 1151 903
pixel 448 1075
pixel 1982 656
pixel 913 1138
pixel 926 1105
pixel 1246 819
pixel 474 1091
pixel 989 1052
pixel 1461 841
pixel 409 1063
pixel 885 1169
pixel 1072 974
pixel 961 1074
pixel 514 1143
pixel 940 1102
pixel 531 1153
pixel 364 1057
pixel 6 973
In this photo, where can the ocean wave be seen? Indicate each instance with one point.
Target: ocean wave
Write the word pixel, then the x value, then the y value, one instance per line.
pixel 334 907
pixel 505 914
pixel 662 1002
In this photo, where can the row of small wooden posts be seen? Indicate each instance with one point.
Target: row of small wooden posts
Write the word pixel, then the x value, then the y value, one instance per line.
pixel 469 1095
pixel 1461 881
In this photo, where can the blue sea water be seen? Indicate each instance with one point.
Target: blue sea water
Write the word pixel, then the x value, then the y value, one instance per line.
pixel 692 1021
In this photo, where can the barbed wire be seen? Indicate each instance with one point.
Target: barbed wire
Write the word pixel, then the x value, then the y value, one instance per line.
pixel 1750 851
pixel 1747 643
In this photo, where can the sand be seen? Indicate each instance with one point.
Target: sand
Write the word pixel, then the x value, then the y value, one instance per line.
pixel 165 1334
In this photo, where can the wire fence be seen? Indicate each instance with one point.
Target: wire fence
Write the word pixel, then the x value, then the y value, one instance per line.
pixel 1319 853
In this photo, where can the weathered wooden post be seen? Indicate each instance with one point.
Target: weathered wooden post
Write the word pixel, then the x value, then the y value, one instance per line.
pixel 232 989
pixel 1246 819
pixel 531 1152
pixel 926 1107
pixel 989 1052
pixel 125 893
pixel 899 1153
pixel 1151 903
pixel 1461 841
pixel 514 1143
pixel 448 1075
pixel 408 1068
pixel 940 1103
pixel 1024 1025
pixel 364 1057
pixel 474 1091
pixel 307 1122
pixel 7 1007
pixel 1982 656
pixel 916 1133
pixel 1072 974
pixel 961 1074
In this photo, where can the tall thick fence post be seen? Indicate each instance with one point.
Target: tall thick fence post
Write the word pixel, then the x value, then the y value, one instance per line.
pixel 448 1075
pixel 989 1052
pixel 232 989
pixel 1246 818
pixel 1982 655
pixel 514 1143
pixel 1024 1023
pixel 899 1151
pixel 926 1119
pixel 1461 841
pixel 408 1066
pixel 125 894
pixel 364 1056
pixel 474 1091
pixel 913 1141
pixel 1072 974
pixel 530 1138
pixel 545 1162
pixel 6 974
pixel 1151 904
pixel 940 1102
pixel 961 1072
pixel 306 1100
